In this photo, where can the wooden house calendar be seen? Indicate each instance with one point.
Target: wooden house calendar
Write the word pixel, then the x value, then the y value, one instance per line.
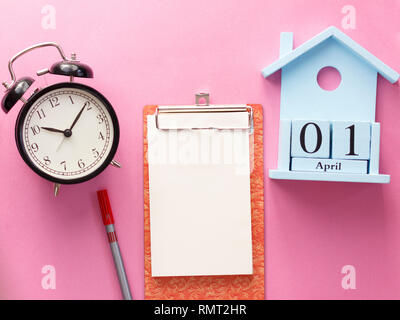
pixel 328 135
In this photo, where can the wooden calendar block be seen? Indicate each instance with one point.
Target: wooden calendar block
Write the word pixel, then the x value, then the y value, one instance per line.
pixel 310 139
pixel 285 128
pixel 351 140
pixel 330 165
pixel 375 145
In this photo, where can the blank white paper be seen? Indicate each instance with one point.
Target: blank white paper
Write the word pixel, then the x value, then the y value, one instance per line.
pixel 200 206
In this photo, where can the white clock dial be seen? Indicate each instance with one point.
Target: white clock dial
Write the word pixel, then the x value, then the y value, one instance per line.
pixel 68 133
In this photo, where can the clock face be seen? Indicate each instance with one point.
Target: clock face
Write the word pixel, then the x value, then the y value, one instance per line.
pixel 67 133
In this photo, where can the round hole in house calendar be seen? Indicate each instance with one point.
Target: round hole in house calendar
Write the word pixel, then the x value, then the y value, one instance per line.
pixel 329 78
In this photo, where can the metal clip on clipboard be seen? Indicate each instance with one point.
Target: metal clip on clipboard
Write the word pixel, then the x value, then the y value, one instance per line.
pixel 224 113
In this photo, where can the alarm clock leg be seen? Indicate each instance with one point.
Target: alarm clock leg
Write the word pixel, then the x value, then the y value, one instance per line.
pixel 115 164
pixel 56 189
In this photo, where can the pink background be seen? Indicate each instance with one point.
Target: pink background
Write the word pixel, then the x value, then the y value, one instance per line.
pixel 162 52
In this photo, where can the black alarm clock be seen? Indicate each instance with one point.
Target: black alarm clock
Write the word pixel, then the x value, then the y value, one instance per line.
pixel 67 132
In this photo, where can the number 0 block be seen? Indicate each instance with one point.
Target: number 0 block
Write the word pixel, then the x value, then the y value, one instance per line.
pixel 351 140
pixel 310 139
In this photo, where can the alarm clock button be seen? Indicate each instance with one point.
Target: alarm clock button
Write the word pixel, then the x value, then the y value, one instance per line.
pixel 71 68
pixel 15 93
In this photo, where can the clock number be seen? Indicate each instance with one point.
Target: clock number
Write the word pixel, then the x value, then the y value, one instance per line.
pixel 81 164
pixel 54 102
pixel 64 164
pixel 352 138
pixel 95 153
pixel 101 137
pixel 35 147
pixel 88 106
pixel 35 129
pixel 70 98
pixel 47 160
pixel 100 118
pixel 41 114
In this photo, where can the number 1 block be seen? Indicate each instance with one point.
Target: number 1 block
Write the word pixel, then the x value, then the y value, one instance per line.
pixel 351 140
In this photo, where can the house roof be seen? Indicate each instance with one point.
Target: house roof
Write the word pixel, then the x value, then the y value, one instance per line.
pixel 384 70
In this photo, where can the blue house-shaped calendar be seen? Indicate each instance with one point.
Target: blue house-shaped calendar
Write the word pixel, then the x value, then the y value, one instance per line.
pixel 328 135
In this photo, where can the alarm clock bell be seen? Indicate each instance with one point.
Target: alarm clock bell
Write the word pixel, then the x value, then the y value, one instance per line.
pixel 69 67
pixel 15 93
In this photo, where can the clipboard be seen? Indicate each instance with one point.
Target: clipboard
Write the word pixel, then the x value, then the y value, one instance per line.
pixel 241 286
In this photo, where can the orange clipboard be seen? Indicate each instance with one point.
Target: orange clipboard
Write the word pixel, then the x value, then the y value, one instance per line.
pixel 229 287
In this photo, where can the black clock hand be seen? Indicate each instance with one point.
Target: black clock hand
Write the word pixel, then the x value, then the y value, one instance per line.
pixel 77 117
pixel 52 129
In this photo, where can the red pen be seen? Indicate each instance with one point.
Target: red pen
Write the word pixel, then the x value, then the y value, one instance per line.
pixel 108 221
